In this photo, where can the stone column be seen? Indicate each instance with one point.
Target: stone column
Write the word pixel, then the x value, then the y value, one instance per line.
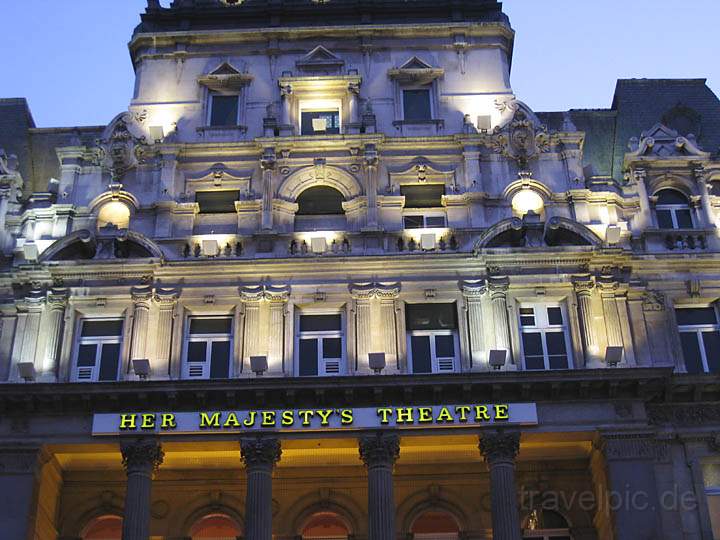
pixel 253 333
pixel 631 486
pixel 19 486
pixel 141 297
pixel 613 327
pixel 168 167
pixel 498 295
pixel 286 98
pixel 500 450
pixel 267 164
pixel 388 296
pixel 362 296
pixel 278 300
pixel 473 292
pixel 708 213
pixel 167 301
pixel 141 459
pixel 370 160
pixel 583 290
pixel 260 456
pixel 379 452
pixel 644 218
pixel 29 313
pixel 56 304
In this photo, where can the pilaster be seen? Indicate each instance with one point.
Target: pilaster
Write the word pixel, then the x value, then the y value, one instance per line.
pixel 474 292
pixel 141 297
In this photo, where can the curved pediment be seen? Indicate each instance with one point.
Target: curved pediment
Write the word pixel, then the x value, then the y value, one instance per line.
pixel 108 243
pixel 530 232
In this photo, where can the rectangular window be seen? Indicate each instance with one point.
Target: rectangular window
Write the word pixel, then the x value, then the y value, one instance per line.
pixel 416 105
pixel 320 345
pixel 217 201
pixel 224 110
pixel 432 337
pixel 208 348
pixel 320 122
pixel 423 222
pixel 98 350
pixel 544 336
pixel 699 330
pixel 423 195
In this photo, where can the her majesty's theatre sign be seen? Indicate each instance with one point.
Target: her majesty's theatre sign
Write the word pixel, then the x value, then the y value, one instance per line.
pixel 327 419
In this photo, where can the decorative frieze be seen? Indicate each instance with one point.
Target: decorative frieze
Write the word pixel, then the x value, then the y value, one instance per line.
pixel 631 446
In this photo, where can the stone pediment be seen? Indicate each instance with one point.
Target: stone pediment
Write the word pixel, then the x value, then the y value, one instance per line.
pixel 224 78
pixel 422 170
pixel 320 59
pixel 663 142
pixel 415 71
pixel 218 176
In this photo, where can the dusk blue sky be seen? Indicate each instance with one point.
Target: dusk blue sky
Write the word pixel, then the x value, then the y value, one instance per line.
pixel 69 58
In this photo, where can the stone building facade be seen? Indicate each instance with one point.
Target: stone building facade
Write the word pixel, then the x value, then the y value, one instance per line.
pixel 328 208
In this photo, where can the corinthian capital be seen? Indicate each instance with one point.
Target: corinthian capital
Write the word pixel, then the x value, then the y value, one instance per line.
pixel 370 155
pixel 143 456
pixel 499 285
pixel 268 160
pixel 260 451
pixel 379 449
pixel 499 446
pixel 473 289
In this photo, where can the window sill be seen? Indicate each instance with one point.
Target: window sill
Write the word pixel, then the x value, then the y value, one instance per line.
pixel 437 122
pixel 221 132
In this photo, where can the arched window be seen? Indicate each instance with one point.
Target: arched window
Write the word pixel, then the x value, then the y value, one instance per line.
pixel 320 201
pixel 325 526
pixel 435 525
pixel 672 210
pixel 215 527
pixel 103 528
pixel 546 525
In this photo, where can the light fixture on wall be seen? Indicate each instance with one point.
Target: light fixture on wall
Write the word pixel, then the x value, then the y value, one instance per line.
pixel 497 358
pixel 141 367
pixel 26 370
pixel 258 365
pixel 377 362
pixel 612 234
pixel 613 355
pixel 157 133
pixel 527 200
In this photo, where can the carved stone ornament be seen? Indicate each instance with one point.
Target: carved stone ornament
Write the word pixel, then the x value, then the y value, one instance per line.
pixel 522 139
pixel 583 284
pixel 142 456
pixel 379 449
pixel 684 415
pixel 120 149
pixel 272 293
pixel 473 289
pixel 653 301
pixel 499 447
pixel 361 291
pixel 663 142
pixel 11 182
pixel 631 446
pixel 260 451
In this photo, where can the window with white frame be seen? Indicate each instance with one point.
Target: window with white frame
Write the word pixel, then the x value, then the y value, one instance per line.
pixel 208 348
pixel 320 344
pixel 711 479
pixel 432 337
pixel 423 206
pixel 223 109
pixel 699 329
pixel 672 210
pixel 545 338
pixel 97 355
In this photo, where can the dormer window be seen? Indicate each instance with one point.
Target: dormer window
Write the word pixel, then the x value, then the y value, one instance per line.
pixel 672 210
pixel 225 93
pixel 416 92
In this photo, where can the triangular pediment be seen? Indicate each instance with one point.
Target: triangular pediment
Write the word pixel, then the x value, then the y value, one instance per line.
pixel 416 63
pixel 320 58
pixel 660 132
pixel 225 69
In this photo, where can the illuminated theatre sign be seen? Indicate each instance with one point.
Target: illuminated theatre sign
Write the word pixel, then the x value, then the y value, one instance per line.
pixel 303 420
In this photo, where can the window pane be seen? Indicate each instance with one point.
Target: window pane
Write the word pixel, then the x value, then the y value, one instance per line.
pixel 532 344
pixel 224 111
pixel 319 201
pixel 332 348
pixel 196 351
pixel 413 222
pixel 210 326
pixel 444 346
pixel 711 340
pixel 431 316
pixel 684 219
pixel 217 202
pixel 220 360
pixel 555 343
pixel 320 323
pixel 558 362
pixel 423 196
pixel 109 361
pixel 693 316
pixel 555 316
pixel 320 122
pixel 691 352
pixel 670 196
pixel 435 221
pixel 416 104
pixel 86 355
pixel 308 357
pixel 421 360
pixel 527 316
pixel 664 218
pixel 534 362
pixel 102 328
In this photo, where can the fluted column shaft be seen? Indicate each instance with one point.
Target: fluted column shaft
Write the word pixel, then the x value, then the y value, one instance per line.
pixel 260 456
pixel 267 164
pixel 473 293
pixel 498 295
pixel 140 459
pixel 379 453
pixel 57 301
pixel 141 314
pixel 500 450
pixel 371 171
pixel 166 300
pixel 583 290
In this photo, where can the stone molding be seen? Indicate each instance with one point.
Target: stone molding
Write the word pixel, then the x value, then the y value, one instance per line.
pixel 683 415
pixel 364 291
pixel 497 447
pixel 583 284
pixel 141 294
pixel 499 286
pixel 378 449
pixel 632 446
pixel 473 289
pixel 22 459
pixel 142 456
pixel 166 297
pixel 273 293
pixel 260 452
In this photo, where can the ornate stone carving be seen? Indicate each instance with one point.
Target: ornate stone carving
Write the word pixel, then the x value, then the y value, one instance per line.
pixel 260 451
pixel 522 139
pixel 379 449
pixel 120 149
pixel 360 291
pixel 499 446
pixel 630 446
pixel 653 301
pixel 683 415
pixel 141 456
pixel 272 293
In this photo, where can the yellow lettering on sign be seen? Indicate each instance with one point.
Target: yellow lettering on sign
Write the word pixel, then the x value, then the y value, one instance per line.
pixel 250 420
pixel 502 412
pixel 127 421
pixel 383 413
pixel 209 421
pixel 268 418
pixel 148 421
pixel 231 420
pixel 346 417
pixel 168 421
pixel 306 415
pixel 481 413
pixel 324 415
pixel 444 415
pixel 287 418
pixel 462 411
pixel 404 415
pixel 424 415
